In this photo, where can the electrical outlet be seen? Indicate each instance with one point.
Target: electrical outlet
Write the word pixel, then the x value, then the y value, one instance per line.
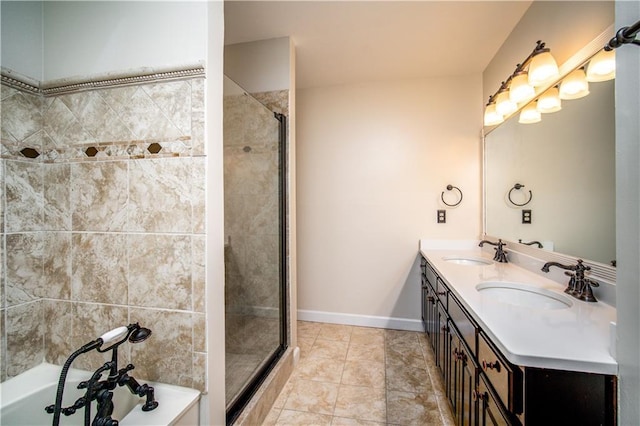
pixel 442 216
pixel 526 216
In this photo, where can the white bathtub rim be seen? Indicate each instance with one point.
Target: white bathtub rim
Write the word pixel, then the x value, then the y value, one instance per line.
pixel 174 401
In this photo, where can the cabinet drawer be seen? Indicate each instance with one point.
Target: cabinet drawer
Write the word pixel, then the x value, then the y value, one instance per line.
pixel 466 326
pixel 442 292
pixel 503 377
pixel 431 275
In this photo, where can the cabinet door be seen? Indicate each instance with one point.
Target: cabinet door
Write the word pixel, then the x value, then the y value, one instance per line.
pixel 430 314
pixel 463 382
pixel 443 346
pixel 490 411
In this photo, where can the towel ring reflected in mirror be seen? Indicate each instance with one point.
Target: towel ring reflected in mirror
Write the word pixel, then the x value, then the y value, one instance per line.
pixel 449 188
pixel 517 187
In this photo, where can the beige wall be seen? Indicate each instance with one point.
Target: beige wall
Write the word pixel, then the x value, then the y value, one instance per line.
pixel 372 161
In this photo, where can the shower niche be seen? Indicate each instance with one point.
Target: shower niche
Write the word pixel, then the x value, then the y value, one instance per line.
pixel 255 243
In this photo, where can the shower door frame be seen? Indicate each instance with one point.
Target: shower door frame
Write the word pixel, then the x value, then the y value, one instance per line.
pixel 240 402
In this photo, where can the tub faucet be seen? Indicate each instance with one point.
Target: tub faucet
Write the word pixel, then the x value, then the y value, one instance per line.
pixel 501 255
pixel 579 286
pixel 101 390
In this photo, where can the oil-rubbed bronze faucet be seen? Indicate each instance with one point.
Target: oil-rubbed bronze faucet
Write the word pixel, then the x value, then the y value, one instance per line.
pixel 501 255
pixel 579 286
pixel 531 243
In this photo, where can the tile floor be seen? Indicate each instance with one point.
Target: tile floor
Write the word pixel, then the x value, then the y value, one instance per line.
pixel 361 376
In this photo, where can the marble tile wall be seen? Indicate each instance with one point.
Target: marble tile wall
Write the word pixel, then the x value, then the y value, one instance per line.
pixel 103 212
pixel 251 167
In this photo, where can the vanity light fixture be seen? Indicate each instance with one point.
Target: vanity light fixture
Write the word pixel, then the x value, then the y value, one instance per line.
pixel 530 114
pixel 537 69
pixel 543 67
pixel 574 85
pixel 504 104
pixel 549 101
pixel 520 89
pixel 602 66
pixel 491 116
pixel 540 69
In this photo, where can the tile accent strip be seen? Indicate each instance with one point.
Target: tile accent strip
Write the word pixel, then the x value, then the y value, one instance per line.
pixel 125 78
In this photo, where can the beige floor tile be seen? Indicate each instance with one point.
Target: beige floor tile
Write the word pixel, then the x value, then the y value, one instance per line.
pixel 335 332
pixel 313 397
pixel 401 363
pixel 284 394
pixel 305 346
pixel 364 373
pixel 365 335
pixel 320 369
pixel 361 403
pixel 409 355
pixel 406 408
pixel 300 418
pixel 308 330
pixel 329 349
pixel 401 337
pixel 408 379
pixel 365 352
pixel 342 421
pixel 272 417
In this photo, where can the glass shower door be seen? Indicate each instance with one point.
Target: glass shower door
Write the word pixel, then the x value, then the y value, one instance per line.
pixel 254 252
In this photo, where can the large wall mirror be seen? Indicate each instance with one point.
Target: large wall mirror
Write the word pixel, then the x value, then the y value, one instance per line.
pixel 567 161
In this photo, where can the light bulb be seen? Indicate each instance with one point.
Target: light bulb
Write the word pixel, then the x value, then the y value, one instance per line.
pixel 491 116
pixel 520 89
pixel 602 66
pixel 542 69
pixel 530 114
pixel 574 85
pixel 504 105
pixel 549 101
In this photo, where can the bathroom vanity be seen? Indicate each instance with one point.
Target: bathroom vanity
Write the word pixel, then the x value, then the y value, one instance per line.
pixel 511 347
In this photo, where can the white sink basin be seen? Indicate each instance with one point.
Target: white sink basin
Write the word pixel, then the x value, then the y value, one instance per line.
pixel 525 295
pixel 466 260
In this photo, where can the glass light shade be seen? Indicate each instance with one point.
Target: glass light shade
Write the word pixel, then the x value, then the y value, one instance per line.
pixel 530 114
pixel 504 105
pixel 549 101
pixel 491 116
pixel 542 69
pixel 520 89
pixel 602 66
pixel 574 85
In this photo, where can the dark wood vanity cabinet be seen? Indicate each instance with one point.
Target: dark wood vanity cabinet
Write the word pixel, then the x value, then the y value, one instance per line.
pixel 462 378
pixel 484 388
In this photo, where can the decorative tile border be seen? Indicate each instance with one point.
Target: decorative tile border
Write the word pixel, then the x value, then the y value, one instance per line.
pixel 122 150
pixel 126 78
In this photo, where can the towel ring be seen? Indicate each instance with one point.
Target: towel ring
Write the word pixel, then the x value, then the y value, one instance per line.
pixel 517 187
pixel 449 188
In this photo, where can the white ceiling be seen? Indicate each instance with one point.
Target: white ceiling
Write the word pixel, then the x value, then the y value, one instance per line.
pixel 343 42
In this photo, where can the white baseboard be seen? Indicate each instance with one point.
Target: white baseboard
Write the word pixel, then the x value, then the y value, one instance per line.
pixel 361 320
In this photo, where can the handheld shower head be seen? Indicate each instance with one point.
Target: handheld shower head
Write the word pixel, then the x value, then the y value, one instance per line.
pixel 114 336
pixel 139 335
pixel 132 332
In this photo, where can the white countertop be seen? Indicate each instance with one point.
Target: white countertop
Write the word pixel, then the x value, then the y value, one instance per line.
pixel 574 338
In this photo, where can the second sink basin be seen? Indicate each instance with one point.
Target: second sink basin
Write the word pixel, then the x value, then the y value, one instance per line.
pixel 519 294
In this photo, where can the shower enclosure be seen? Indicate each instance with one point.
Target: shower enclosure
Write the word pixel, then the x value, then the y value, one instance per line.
pixel 255 243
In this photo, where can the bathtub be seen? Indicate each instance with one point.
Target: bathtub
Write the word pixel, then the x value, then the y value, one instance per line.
pixel 23 400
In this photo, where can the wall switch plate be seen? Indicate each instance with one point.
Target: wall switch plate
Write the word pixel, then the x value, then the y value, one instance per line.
pixel 526 216
pixel 442 216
